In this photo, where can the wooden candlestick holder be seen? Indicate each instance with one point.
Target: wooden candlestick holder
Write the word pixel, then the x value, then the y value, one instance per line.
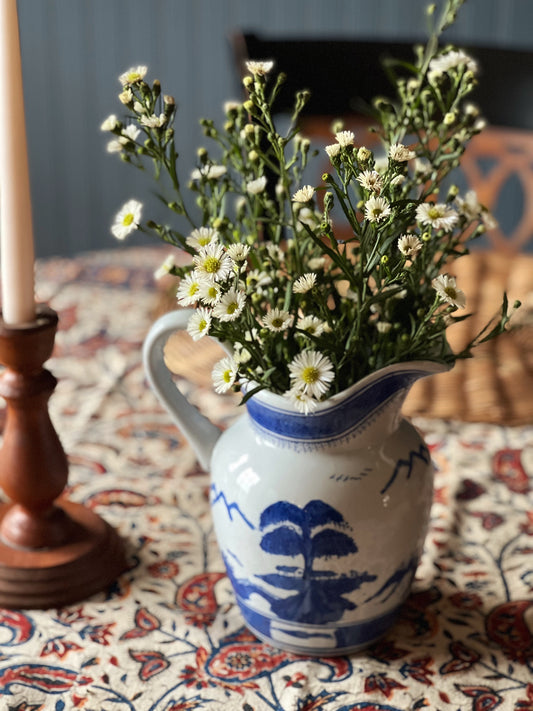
pixel 52 551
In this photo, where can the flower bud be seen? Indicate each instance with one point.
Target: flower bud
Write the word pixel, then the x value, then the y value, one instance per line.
pixel 363 154
pixel 449 118
pixel 453 192
pixel 202 155
pixel 248 82
pixel 126 97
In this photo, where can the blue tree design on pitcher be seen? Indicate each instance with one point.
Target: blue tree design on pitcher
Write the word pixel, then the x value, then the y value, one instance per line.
pixel 312 533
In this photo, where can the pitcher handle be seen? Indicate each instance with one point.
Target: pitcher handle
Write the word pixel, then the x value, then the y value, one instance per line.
pixel 200 432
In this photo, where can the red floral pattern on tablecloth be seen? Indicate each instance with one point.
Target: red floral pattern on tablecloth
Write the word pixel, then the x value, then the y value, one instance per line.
pixel 168 636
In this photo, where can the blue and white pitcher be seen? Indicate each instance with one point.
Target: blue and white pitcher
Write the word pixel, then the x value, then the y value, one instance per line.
pixel 320 518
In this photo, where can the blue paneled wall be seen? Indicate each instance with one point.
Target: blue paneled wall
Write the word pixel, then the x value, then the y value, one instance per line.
pixel 74 50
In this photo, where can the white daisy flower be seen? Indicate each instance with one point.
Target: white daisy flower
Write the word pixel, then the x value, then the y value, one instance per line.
pixel 130 133
pixel 110 123
pixel 188 291
pixel 139 108
pixel 398 180
pixel 133 75
pixel 377 209
pixel 201 237
pixel 446 288
pixel 154 121
pixel 241 355
pixel 255 187
pixel 303 402
pixel 127 219
pixel 345 138
pixel 308 217
pixel 312 372
pixel 252 336
pixel 333 150
pixel 439 216
pixel 212 262
pixel 238 252
pixel 311 324
pixel 257 279
pixel 371 180
pixel 209 172
pixel 223 374
pixel 383 326
pixel 304 194
pixel 471 209
pixel 400 153
pixel 231 105
pixel 165 267
pixel 277 320
pixel 316 263
pixel 199 323
pixel 126 97
pixel 455 58
pixel 422 167
pixel 114 146
pixel 274 251
pixel 259 68
pixel 409 245
pixel 230 305
pixel 210 292
pixel 304 283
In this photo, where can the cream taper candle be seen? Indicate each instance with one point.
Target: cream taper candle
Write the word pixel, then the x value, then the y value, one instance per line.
pixel 16 228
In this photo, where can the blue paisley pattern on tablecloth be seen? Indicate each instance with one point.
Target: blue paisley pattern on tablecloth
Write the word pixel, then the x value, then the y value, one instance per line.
pixel 168 635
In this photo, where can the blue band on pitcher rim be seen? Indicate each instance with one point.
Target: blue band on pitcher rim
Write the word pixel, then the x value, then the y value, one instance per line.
pixel 337 420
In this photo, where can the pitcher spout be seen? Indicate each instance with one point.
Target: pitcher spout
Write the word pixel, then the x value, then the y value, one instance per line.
pixel 372 405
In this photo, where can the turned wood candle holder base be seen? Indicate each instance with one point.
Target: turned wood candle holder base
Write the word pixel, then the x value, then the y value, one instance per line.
pixel 52 552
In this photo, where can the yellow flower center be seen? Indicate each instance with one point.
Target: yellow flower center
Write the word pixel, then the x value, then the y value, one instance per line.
pixel 434 213
pixel 277 322
pixel 202 325
pixel 232 307
pixel 128 219
pixel 193 289
pixel 212 265
pixel 451 292
pixel 226 376
pixel 133 77
pixel 310 375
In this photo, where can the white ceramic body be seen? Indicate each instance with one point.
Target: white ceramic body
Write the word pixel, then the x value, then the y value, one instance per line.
pixel 320 518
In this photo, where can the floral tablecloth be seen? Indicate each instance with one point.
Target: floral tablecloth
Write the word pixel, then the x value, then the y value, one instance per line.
pixel 168 636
